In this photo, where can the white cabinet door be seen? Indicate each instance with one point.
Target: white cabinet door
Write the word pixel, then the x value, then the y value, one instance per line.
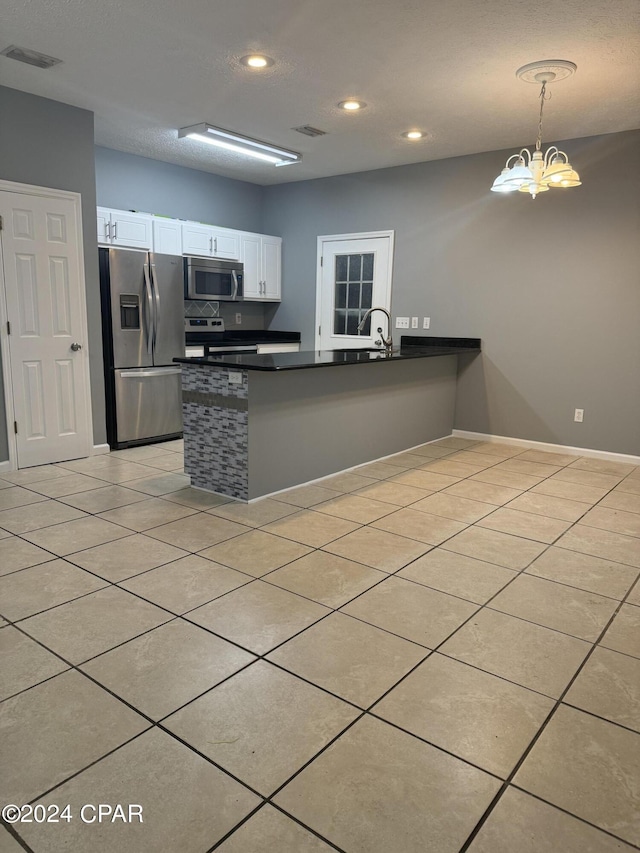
pixel 128 230
pixel 251 257
pixel 226 244
pixel 132 230
pixel 271 274
pixel 261 258
pixel 167 236
pixel 104 223
pixel 197 239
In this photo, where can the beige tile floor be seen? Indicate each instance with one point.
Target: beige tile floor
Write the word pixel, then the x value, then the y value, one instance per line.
pixel 435 653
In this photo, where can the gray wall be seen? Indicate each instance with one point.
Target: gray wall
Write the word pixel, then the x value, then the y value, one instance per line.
pixel 130 182
pixel 551 285
pixel 49 144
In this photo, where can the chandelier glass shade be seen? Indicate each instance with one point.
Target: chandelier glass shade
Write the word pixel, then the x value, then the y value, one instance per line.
pixel 536 173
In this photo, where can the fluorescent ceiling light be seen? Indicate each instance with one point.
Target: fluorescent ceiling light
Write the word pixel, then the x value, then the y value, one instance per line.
pixel 240 144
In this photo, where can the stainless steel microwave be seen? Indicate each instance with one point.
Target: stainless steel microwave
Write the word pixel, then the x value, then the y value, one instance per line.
pixel 213 279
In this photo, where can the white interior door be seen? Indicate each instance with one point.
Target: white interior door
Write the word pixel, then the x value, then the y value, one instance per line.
pixel 45 305
pixel 355 275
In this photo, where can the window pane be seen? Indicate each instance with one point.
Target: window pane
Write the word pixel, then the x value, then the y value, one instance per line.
pixel 355 267
pixel 353 318
pixel 339 322
pixel 367 267
pixel 367 290
pixel 341 295
pixel 354 296
pixel 341 267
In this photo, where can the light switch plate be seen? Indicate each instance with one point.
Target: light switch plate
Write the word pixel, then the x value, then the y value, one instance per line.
pixel 414 322
pixel 402 322
pixel 235 378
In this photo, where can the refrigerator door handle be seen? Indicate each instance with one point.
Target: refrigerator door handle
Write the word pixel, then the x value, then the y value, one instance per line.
pixel 149 371
pixel 156 297
pixel 150 323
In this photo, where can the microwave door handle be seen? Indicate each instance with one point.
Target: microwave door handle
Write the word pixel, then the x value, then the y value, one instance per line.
pixel 235 284
pixel 156 296
pixel 149 324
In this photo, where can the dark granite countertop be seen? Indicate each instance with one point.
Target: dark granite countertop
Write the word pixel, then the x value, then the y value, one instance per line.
pixel 410 347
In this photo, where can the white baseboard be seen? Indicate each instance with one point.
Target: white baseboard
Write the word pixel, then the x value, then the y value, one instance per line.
pixel 352 470
pixel 552 448
pixel 5 467
pixel 99 449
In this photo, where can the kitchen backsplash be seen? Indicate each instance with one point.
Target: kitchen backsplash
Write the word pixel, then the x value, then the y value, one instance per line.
pixel 254 314
pixel 201 308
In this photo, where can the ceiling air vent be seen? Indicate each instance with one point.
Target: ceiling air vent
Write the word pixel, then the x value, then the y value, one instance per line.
pixel 307 130
pixel 31 57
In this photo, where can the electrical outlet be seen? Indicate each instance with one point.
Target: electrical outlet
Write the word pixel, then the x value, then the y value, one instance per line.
pixel 414 322
pixel 238 319
pixel 402 322
pixel 235 377
pixel 578 416
pixel 426 322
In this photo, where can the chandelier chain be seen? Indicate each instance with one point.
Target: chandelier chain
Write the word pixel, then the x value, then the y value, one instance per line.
pixel 543 91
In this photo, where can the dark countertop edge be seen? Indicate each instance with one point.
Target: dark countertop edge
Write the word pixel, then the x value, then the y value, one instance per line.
pixel 247 362
pixel 243 336
pixel 433 341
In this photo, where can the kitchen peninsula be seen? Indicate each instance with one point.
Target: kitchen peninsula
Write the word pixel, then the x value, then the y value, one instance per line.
pixel 257 424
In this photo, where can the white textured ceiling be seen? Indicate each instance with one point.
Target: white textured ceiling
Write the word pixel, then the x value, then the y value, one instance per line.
pixel 148 67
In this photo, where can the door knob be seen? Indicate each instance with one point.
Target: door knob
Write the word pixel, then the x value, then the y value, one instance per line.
pixel 76 347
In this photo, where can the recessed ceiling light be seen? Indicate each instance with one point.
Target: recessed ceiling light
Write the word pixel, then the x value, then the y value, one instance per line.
pixel 413 134
pixel 351 104
pixel 256 60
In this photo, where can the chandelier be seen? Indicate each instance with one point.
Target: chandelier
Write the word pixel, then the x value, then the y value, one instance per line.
pixel 536 173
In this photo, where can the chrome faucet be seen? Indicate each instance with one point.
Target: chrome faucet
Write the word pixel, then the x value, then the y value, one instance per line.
pixel 388 341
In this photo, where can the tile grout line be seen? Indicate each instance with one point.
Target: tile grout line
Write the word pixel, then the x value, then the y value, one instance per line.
pixel 537 736
pixel 336 610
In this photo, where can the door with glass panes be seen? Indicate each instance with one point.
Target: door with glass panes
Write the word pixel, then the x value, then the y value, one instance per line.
pixel 355 276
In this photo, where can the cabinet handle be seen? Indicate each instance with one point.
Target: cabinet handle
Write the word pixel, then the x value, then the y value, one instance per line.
pixel 115 231
pixel 211 245
pixel 215 245
pixel 107 230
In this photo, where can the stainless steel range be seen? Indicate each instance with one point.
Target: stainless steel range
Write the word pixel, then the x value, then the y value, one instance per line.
pixel 209 333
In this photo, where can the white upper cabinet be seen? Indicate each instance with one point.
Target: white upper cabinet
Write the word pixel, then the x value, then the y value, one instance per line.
pixel 197 239
pixel 226 244
pixel 127 230
pixel 261 256
pixel 206 241
pixel 167 236
pixel 271 267
pixel 251 257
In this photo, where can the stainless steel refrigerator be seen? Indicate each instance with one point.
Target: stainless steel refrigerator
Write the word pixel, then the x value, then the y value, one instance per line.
pixel 142 297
